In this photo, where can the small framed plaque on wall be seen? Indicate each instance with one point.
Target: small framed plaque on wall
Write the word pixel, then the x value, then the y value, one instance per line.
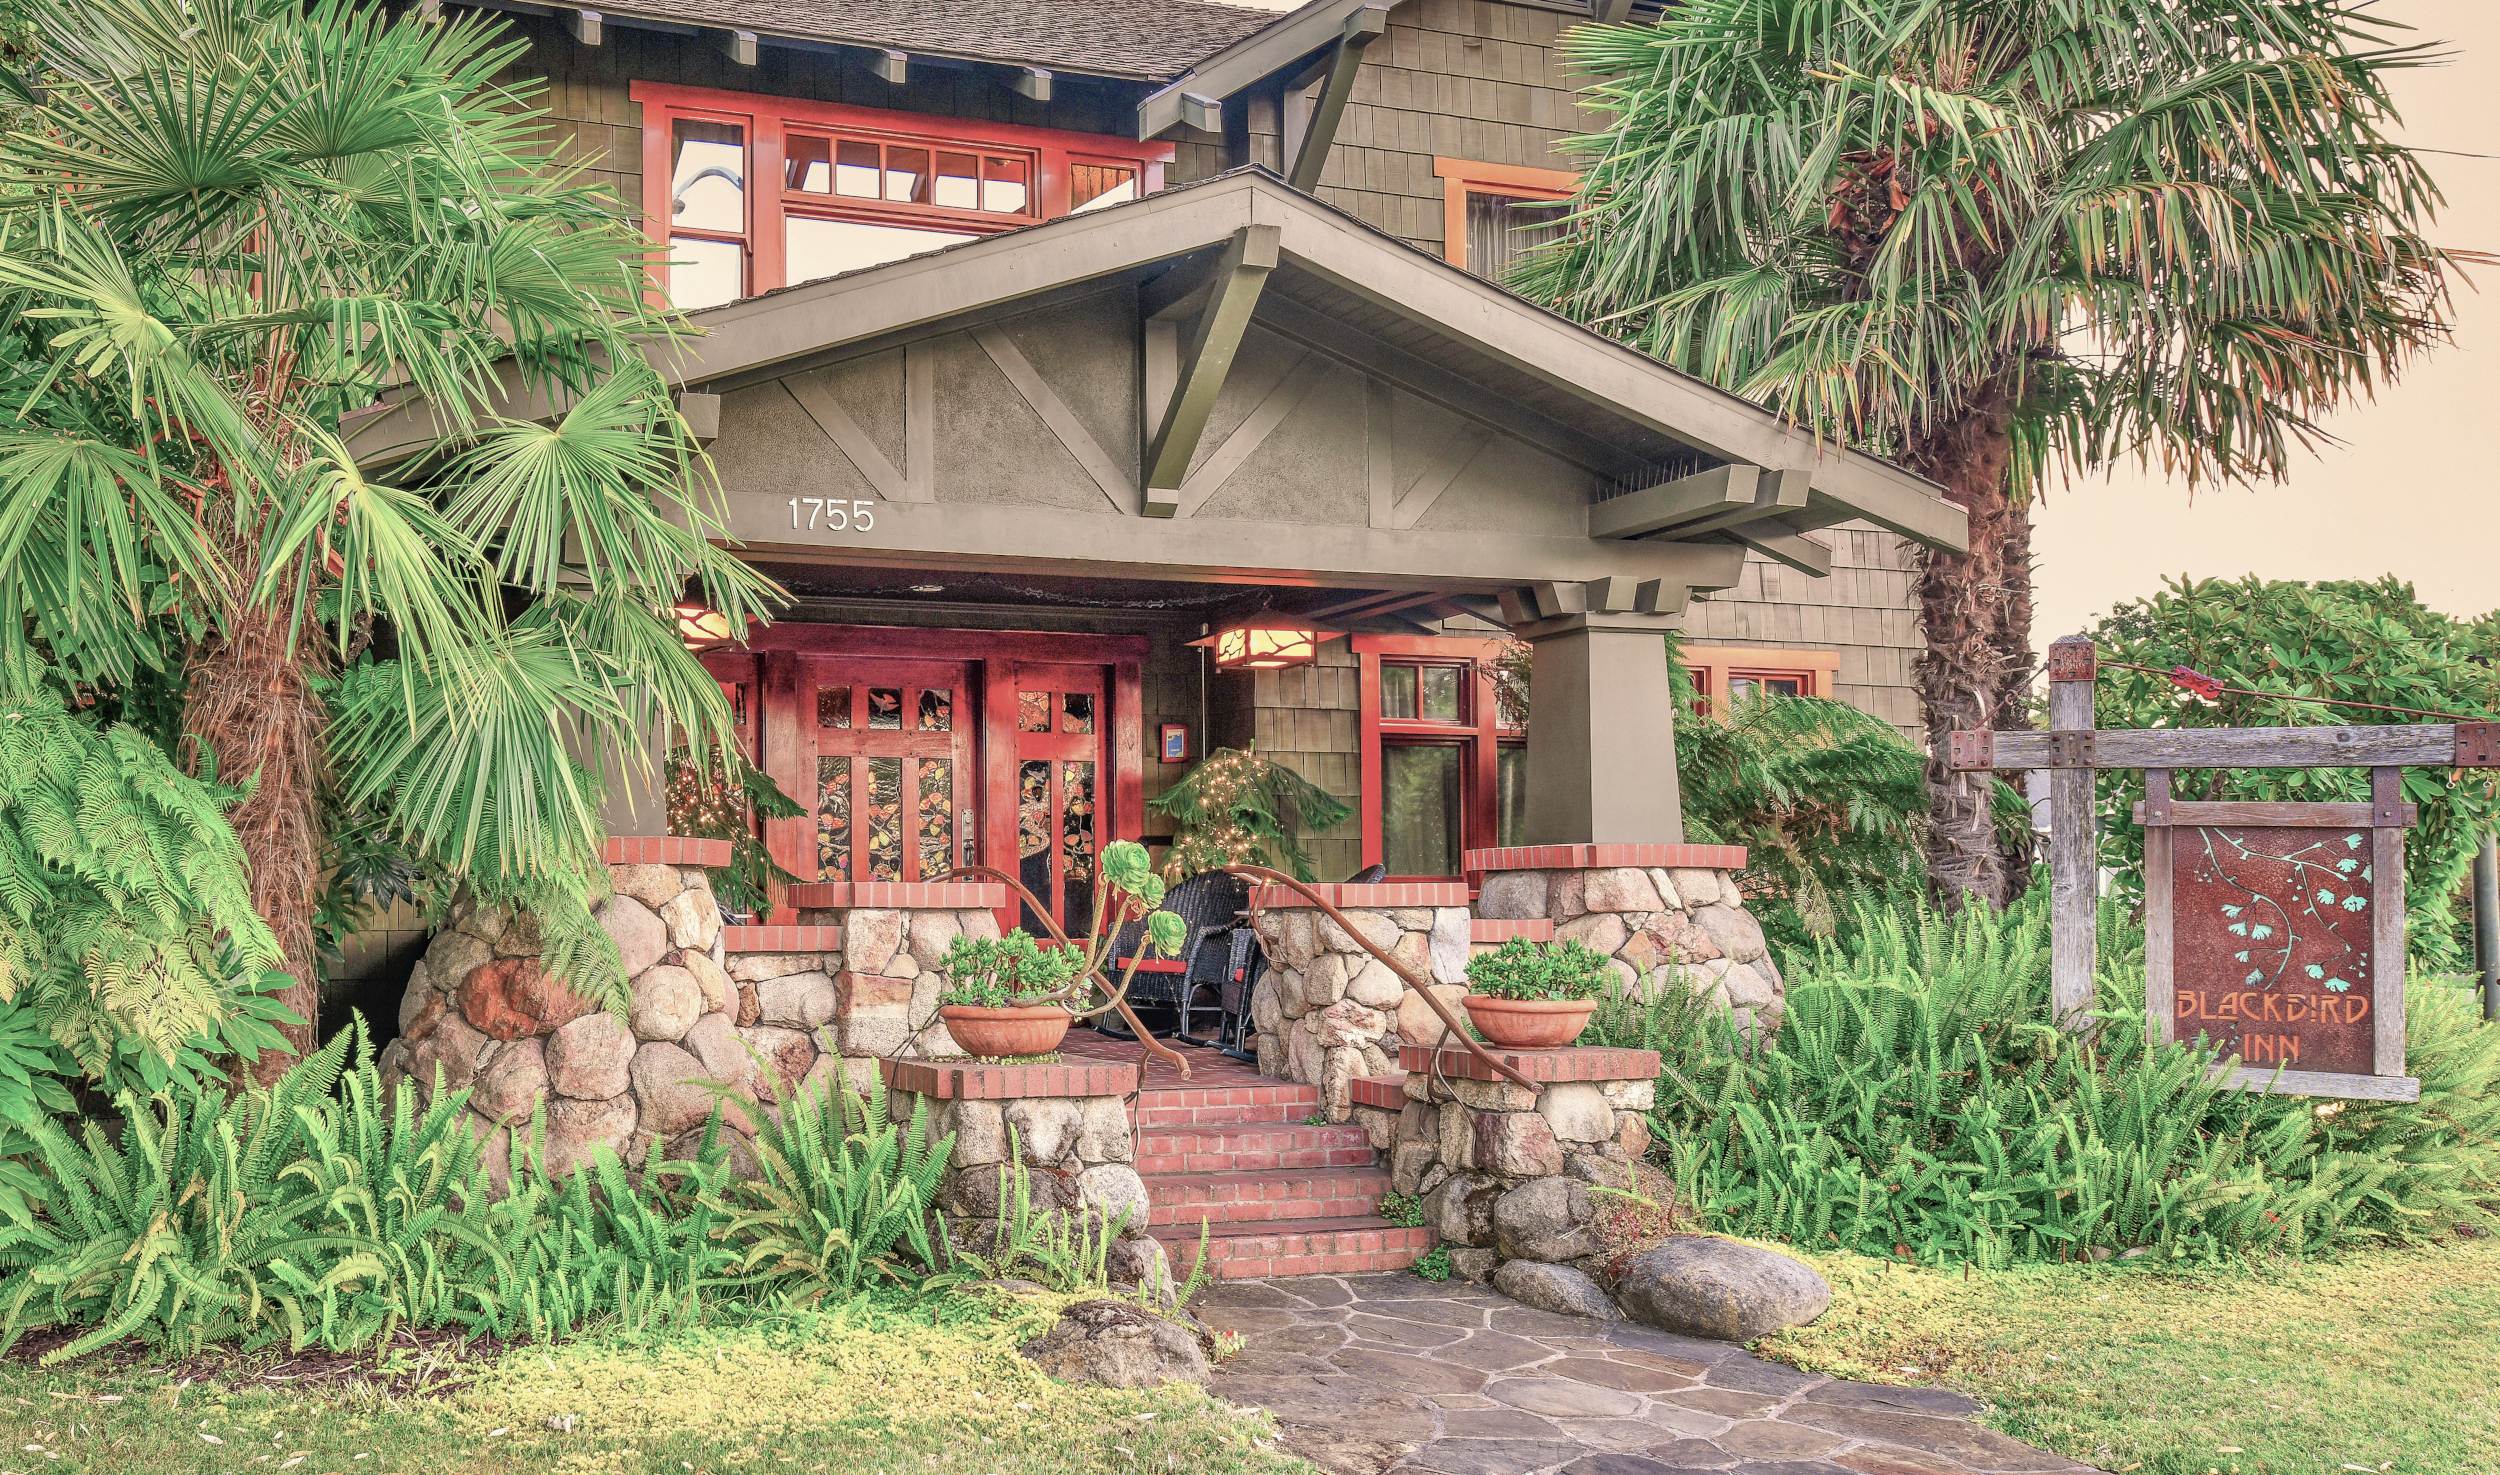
pixel 1173 743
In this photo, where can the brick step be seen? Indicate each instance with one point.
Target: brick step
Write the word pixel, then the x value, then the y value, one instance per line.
pixel 1251 1149
pixel 1388 1092
pixel 1295 1247
pixel 1225 1106
pixel 1241 1198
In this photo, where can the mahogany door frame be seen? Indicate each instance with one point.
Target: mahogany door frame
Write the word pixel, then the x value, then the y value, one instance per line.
pixel 785 713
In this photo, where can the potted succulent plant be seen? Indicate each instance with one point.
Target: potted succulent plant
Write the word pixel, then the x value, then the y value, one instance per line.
pixel 1535 996
pixel 1006 995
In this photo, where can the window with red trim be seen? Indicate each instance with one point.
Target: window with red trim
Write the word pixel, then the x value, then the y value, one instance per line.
pixel 1444 771
pixel 1725 675
pixel 763 192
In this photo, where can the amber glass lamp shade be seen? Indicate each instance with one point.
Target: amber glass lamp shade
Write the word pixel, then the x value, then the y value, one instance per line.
pixel 1266 641
pixel 699 626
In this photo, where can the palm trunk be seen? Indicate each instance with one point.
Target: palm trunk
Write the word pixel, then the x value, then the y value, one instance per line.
pixel 1975 610
pixel 253 705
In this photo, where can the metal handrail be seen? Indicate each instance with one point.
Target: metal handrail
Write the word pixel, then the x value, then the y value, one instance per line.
pixel 1119 995
pixel 1474 1046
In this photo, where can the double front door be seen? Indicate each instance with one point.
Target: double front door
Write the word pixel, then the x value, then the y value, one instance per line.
pixel 910 768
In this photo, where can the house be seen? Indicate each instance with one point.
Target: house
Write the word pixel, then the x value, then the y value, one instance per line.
pixel 1113 379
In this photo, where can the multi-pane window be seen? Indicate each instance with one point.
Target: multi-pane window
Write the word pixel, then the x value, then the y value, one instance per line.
pixel 1497 213
pixel 767 192
pixel 1725 677
pixel 1445 769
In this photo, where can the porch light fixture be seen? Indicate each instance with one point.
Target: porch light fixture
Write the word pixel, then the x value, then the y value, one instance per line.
pixel 1265 641
pixel 699 626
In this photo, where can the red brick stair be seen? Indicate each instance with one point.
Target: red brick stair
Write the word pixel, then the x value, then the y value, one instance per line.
pixel 1279 1194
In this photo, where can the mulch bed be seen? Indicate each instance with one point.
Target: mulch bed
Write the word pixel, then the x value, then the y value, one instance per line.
pixel 409 1364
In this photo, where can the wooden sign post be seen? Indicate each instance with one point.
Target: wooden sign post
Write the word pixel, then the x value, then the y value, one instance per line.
pixel 2276 930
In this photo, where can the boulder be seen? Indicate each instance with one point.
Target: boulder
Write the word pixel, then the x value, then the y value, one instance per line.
pixel 666 1003
pixel 1737 934
pixel 453 1045
pixel 1418 1025
pixel 755 967
pixel 1603 932
pixel 1566 897
pixel 693 918
pixel 1501 1095
pixel 639 933
pixel 1296 941
pixel 1555 1288
pixel 1380 1126
pixel 977 923
pixel 450 957
pixel 513 998
pixel 1141 1262
pixel 715 1044
pixel 720 993
pixel 1102 1131
pixel 1577 1111
pixel 1460 1210
pixel 800 1001
pixel 736 1152
pixel 1046 1128
pixel 1697 888
pixel 1474 1266
pixel 1118 1345
pixel 1324 979
pixel 672 1091
pixel 512 1081
pixel 1450 935
pixel 653 885
pixel 588 1058
pixel 1513 895
pixel 980 1191
pixel 519 938
pixel 1306 1059
pixel 980 1129
pixel 1620 889
pixel 1408 1162
pixel 929 935
pixel 420 1009
pixel 1375 928
pixel 787 1057
pixel 577 1129
pixel 1546 1219
pixel 1267 1012
pixel 1700 1286
pixel 1639 1095
pixel 750 1006
pixel 870 938
pixel 1345 1023
pixel 477 919
pixel 1668 896
pixel 1515 1144
pixel 1376 985
pixel 1114 1191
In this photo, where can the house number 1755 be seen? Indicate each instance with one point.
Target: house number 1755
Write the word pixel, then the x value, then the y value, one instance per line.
pixel 830 515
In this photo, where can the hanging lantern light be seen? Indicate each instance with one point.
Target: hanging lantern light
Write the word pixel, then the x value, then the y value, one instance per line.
pixel 1266 641
pixel 699 626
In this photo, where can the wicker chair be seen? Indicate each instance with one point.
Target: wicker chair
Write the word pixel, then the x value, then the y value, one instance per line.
pixel 1210 902
pixel 1242 968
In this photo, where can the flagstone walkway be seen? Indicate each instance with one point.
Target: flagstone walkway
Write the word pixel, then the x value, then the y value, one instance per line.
pixel 1378 1372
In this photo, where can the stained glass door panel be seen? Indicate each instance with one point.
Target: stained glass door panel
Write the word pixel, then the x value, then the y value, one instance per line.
pixel 1060 787
pixel 893 790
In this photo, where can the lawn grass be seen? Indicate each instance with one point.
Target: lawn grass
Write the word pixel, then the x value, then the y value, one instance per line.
pixel 2379 1361
pixel 867 1389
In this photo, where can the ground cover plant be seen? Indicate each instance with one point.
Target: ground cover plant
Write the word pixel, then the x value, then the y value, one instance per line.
pixel 2374 1361
pixel 1917 1104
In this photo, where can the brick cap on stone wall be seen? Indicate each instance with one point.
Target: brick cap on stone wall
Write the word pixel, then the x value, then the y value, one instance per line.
pixel 781 939
pixel 1385 1092
pixel 1384 894
pixel 665 850
pixel 1592 857
pixel 1503 929
pixel 972 1081
pixel 1579 1063
pixel 953 896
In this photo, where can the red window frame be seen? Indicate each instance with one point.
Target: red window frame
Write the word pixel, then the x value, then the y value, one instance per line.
pixel 1714 667
pixel 1054 154
pixel 1480 734
pixel 1463 177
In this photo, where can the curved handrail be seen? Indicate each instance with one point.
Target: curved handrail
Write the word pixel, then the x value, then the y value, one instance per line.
pixel 1474 1046
pixel 1119 995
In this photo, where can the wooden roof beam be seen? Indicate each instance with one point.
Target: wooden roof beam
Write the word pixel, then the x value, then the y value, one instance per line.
pixel 1205 362
pixel 1773 541
pixel 1361 28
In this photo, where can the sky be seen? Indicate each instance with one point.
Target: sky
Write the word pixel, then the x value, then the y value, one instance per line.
pixel 2414 488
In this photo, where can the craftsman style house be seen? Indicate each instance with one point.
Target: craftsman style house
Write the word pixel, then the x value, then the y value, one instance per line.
pixel 1115 379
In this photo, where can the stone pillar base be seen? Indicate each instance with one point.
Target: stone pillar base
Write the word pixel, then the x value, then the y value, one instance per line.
pixel 1664 913
pixel 1327 1011
pixel 894 935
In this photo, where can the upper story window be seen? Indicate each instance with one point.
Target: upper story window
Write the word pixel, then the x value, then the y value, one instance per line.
pixel 764 192
pixel 1495 212
pixel 1724 676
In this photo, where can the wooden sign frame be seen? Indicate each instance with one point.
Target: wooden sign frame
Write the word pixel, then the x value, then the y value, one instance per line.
pixel 2385 817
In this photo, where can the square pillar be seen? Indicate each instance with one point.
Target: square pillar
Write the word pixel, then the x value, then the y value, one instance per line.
pixel 1601 731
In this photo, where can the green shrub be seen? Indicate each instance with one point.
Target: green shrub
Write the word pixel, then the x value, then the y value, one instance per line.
pixel 1004 972
pixel 1917 1101
pixel 1520 969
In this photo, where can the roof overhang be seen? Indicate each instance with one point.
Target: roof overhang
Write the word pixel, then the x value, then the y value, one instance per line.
pixel 1297 38
pixel 1470 344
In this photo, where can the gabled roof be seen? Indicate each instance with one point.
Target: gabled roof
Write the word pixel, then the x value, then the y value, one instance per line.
pixel 1346 289
pixel 1138 40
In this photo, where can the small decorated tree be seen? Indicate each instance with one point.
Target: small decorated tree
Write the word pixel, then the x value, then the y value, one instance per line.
pixel 1236 808
pixel 714 803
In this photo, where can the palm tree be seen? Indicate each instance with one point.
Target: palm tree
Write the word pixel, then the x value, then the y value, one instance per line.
pixel 230 228
pixel 1992 237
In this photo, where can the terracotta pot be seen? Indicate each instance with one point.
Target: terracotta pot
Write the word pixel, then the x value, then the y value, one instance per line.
pixel 991 1033
pixel 1529 1024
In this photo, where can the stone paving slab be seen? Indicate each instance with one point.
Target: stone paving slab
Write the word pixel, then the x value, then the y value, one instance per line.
pixel 1370 1373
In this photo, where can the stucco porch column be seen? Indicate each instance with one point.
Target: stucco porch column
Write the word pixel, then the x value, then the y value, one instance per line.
pixel 1601 730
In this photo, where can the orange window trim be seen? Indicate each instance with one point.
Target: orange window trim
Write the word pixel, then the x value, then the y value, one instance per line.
pixel 1055 153
pixel 1463 177
pixel 1713 665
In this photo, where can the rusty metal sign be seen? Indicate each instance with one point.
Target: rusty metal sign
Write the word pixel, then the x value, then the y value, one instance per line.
pixel 2273 944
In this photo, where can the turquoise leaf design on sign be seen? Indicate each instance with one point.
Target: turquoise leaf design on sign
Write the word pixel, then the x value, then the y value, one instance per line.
pixel 2347 865
pixel 2254 975
pixel 2262 932
pixel 2230 911
pixel 2314 971
pixel 2326 897
pixel 2354 904
pixel 2239 928
pixel 2352 842
pixel 2338 985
